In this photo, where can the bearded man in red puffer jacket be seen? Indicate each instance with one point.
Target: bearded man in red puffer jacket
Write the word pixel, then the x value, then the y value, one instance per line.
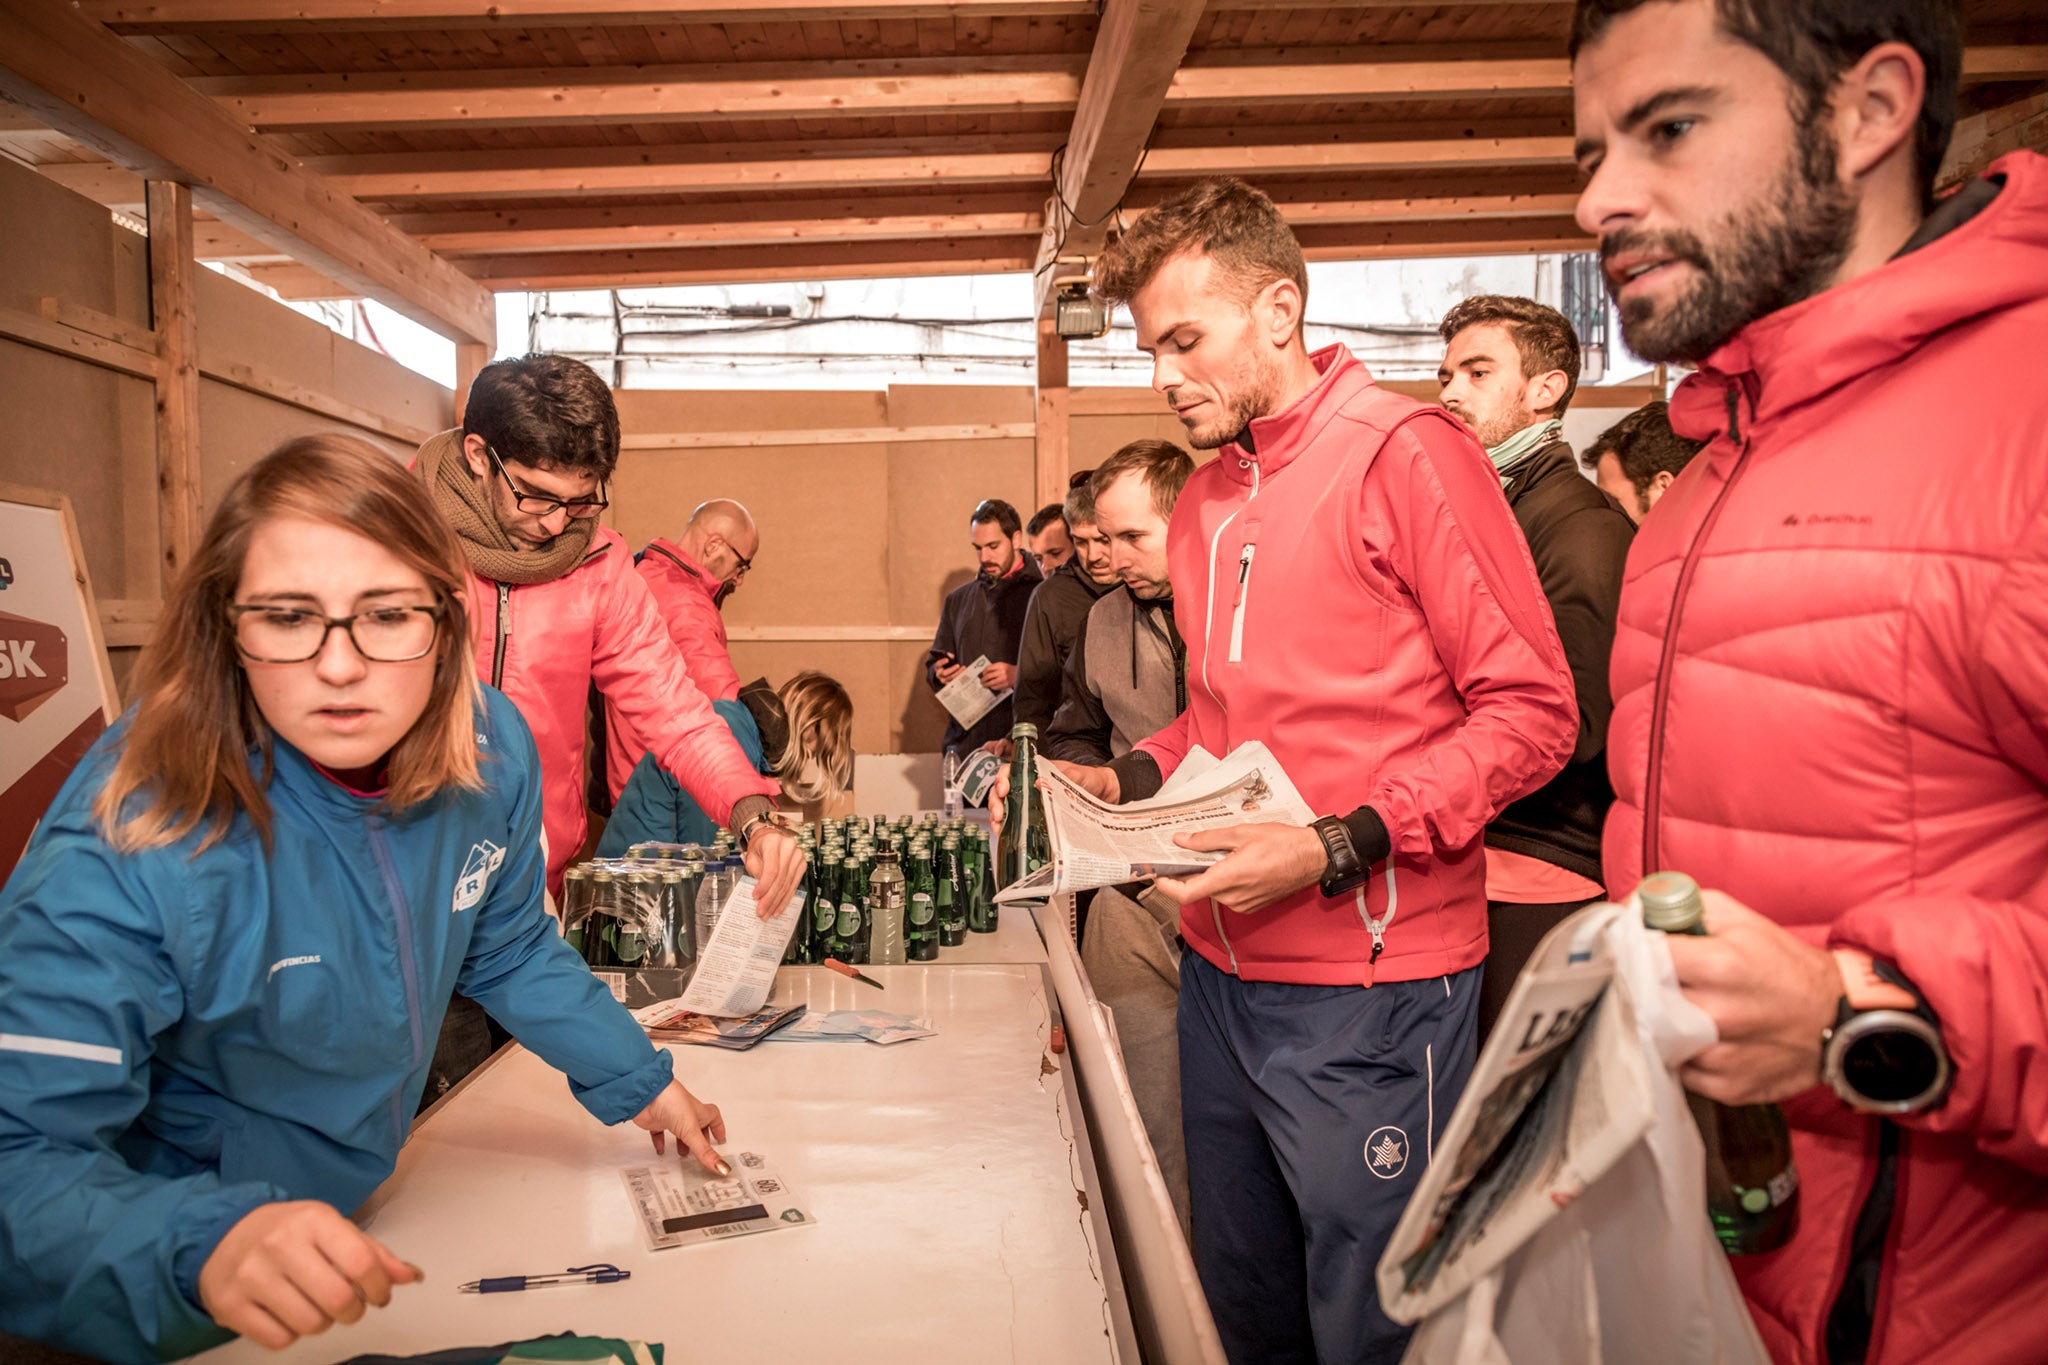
pixel 1831 668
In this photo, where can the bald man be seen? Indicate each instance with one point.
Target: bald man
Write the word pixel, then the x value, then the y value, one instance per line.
pixel 690 577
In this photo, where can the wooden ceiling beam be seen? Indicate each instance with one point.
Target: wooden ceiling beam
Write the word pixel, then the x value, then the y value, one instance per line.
pixel 939 256
pixel 279 16
pixel 82 80
pixel 717 92
pixel 711 92
pixel 999 159
pixel 1139 46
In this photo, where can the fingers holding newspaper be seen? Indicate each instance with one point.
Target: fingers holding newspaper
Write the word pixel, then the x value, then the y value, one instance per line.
pixel 1262 863
pixel 696 1125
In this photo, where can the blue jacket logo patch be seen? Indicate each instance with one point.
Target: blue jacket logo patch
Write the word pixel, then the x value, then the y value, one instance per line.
pixel 484 859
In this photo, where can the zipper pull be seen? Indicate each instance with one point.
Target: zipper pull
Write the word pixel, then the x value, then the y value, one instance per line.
pixel 1379 940
pixel 1244 569
pixel 1734 404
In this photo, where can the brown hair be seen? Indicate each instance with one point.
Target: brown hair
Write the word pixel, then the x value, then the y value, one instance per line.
pixel 1543 337
pixel 1228 221
pixel 547 411
pixel 816 763
pixel 1814 41
pixel 1163 466
pixel 1080 504
pixel 1644 445
pixel 185 759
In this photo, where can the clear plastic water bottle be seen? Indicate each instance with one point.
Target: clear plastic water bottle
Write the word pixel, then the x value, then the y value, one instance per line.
pixel 713 892
pixel 949 774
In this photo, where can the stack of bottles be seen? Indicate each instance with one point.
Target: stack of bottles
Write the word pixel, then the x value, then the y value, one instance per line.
pixel 876 890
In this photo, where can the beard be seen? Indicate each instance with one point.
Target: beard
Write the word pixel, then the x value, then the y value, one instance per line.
pixel 1779 250
pixel 1255 401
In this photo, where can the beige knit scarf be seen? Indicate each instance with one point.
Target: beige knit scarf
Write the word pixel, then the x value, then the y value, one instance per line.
pixel 466 502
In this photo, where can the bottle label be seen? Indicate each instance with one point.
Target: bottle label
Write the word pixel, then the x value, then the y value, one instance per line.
pixel 822 919
pixel 921 909
pixel 849 920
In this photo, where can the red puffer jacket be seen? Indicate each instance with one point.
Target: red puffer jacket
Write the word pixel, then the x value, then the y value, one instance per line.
pixel 1831 701
pixel 685 594
pixel 544 644
pixel 1357 595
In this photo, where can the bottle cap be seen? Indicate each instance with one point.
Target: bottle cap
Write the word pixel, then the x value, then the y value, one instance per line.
pixel 1671 902
pixel 1024 730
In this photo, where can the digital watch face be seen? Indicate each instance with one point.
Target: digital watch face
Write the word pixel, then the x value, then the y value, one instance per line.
pixel 1892 1061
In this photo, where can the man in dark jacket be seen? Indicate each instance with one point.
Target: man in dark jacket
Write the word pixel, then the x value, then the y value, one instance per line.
pixel 1509 369
pixel 1058 609
pixel 985 618
pixel 1127 679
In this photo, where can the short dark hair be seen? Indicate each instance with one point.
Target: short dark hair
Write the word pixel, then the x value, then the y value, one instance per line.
pixel 547 411
pixel 1163 466
pixel 1814 41
pixel 1236 226
pixel 1046 516
pixel 999 512
pixel 1644 445
pixel 1543 337
pixel 1080 508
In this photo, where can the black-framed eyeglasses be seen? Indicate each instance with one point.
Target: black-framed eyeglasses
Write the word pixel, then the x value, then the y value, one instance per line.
pixel 292 635
pixel 745 564
pixel 540 504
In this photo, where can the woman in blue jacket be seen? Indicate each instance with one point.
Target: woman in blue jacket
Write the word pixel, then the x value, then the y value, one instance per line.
pixel 225 956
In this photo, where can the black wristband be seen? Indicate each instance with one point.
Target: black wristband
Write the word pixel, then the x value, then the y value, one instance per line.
pixel 1137 776
pixel 1369 836
pixel 1342 872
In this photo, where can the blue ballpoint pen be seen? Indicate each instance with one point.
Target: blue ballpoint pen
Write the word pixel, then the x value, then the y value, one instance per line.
pixel 576 1274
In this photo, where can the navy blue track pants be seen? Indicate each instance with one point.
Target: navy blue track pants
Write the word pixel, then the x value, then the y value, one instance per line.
pixel 1310 1114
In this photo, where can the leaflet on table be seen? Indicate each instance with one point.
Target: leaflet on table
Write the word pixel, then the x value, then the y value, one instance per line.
pixel 669 1022
pixel 1101 845
pixel 853 1026
pixel 965 698
pixel 680 1202
pixel 736 969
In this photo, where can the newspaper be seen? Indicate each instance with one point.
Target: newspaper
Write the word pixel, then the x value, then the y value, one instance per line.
pixel 1094 844
pixel 736 969
pixel 1556 1098
pixel 965 697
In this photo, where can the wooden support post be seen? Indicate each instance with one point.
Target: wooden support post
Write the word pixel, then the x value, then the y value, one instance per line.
pixel 174 310
pixel 1055 407
pixel 469 358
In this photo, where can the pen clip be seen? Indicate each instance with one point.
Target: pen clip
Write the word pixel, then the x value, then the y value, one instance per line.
pixel 605 1272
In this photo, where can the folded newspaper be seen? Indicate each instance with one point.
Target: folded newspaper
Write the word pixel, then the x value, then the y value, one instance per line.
pixel 1094 844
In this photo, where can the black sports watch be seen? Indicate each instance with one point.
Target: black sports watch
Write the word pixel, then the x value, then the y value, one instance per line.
pixel 1343 873
pixel 1884 1053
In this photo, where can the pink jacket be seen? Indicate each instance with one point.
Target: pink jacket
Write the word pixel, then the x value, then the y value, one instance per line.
pixel 683 594
pixel 1831 702
pixel 544 644
pixel 1357 595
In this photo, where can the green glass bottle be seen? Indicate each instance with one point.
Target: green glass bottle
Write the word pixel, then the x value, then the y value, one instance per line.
pixel 575 905
pixel 926 909
pixel 850 930
pixel 1752 1182
pixel 952 871
pixel 1023 846
pixel 981 878
pixel 824 915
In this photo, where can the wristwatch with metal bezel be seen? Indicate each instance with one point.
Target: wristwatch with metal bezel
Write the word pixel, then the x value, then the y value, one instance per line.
pixel 1884 1054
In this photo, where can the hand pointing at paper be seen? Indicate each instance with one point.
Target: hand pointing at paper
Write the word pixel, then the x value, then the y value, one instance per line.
pixel 696 1125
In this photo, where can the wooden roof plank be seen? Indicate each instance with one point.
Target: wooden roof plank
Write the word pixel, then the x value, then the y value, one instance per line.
pixel 82 80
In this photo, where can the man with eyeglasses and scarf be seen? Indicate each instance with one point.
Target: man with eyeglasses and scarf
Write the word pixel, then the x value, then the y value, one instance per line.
pixel 555 607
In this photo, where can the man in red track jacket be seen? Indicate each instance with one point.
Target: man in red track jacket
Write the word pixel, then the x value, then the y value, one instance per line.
pixel 1353 592
pixel 1831 664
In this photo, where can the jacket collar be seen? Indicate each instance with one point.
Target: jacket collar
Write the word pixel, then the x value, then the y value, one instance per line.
pixel 1539 465
pixel 700 577
pixel 1280 436
pixel 1993 260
